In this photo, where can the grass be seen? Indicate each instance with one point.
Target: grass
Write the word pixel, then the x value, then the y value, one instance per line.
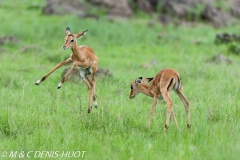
pixel 42 118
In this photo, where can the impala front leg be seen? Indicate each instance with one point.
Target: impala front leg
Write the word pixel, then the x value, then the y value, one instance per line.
pixel 55 68
pixel 66 76
pixel 152 110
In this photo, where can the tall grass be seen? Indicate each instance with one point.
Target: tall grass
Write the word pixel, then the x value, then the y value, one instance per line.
pixel 42 118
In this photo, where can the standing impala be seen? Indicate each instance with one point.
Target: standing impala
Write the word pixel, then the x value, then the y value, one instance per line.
pixel 85 58
pixel 160 87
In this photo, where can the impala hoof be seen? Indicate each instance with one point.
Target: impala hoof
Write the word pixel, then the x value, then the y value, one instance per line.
pixel 59 85
pixel 38 82
pixel 165 127
pixel 95 104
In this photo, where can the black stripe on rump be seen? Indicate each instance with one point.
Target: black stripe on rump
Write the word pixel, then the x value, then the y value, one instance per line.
pixel 170 83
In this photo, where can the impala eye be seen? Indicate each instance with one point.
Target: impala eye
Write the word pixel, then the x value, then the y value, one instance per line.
pixel 131 87
pixel 72 40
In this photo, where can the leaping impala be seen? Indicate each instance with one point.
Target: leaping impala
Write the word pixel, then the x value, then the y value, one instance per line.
pixel 82 56
pixel 160 88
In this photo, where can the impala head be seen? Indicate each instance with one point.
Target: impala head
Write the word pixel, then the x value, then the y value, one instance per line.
pixel 71 39
pixel 136 86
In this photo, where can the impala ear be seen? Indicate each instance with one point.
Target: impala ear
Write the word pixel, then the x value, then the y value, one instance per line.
pixel 81 34
pixel 68 31
pixel 147 80
pixel 139 80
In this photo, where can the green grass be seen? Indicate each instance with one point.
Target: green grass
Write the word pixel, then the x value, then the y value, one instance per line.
pixel 42 118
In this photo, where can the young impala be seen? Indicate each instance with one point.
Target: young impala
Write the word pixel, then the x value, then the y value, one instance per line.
pixel 82 56
pixel 160 88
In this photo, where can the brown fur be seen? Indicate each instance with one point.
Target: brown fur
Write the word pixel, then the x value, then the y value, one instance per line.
pixel 161 85
pixel 82 56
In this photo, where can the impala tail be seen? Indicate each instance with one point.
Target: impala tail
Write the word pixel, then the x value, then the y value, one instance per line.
pixel 175 82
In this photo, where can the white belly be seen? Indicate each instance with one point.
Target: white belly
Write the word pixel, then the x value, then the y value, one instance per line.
pixel 85 71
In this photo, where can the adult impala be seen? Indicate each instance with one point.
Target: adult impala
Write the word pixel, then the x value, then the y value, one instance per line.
pixel 160 88
pixel 82 56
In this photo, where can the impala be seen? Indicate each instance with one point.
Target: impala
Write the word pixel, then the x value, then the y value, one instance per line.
pixel 82 56
pixel 160 88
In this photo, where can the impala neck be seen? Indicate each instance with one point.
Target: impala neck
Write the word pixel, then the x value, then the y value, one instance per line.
pixel 76 51
pixel 145 89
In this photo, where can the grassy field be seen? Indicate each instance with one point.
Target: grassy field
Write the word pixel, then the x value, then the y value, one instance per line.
pixel 35 120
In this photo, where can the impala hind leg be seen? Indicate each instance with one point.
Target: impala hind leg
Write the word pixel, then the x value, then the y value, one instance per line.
pixel 91 94
pixel 94 71
pixel 83 74
pixel 94 92
pixel 186 104
pixel 175 120
pixel 169 109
